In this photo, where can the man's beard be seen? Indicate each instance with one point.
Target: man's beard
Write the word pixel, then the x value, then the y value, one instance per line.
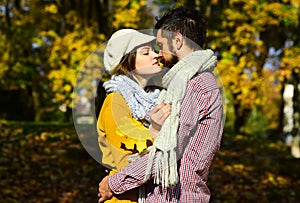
pixel 172 61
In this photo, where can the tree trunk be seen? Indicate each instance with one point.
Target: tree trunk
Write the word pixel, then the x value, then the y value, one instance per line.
pixel 241 116
pixel 103 17
pixel 281 111
pixel 7 11
pixel 296 104
pixel 36 96
pixel 18 5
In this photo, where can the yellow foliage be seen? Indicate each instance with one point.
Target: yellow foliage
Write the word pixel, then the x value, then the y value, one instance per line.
pixel 67 57
pixel 51 9
pixel 274 13
pixel 18 22
pixel 242 77
pixel 250 5
pixel 234 15
pixel 126 13
pixel 290 62
pixel 5 56
pixel 274 8
pixel 226 39
pixel 213 45
pixel 245 31
pixel 275 180
pixel 232 2
pixel 295 3
pixel 263 19
pixel 234 49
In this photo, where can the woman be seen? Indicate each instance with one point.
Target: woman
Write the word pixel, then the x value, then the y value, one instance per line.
pixel 129 120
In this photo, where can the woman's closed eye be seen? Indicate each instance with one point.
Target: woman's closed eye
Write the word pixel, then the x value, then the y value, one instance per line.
pixel 145 52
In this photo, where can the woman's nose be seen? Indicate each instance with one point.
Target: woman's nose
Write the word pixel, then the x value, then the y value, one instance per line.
pixel 160 53
pixel 154 54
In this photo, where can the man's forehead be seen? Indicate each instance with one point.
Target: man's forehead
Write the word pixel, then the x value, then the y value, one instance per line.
pixel 159 37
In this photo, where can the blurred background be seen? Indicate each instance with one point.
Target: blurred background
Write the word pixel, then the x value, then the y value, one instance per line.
pixel 44 45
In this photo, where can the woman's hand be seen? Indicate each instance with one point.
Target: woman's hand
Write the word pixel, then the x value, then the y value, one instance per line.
pixel 158 115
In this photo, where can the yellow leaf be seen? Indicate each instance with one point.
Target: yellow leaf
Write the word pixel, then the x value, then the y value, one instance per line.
pixel 51 9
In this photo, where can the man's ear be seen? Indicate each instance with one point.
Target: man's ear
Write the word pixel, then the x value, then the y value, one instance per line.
pixel 178 41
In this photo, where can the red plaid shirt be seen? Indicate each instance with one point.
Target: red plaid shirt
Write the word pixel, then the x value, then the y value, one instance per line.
pixel 199 136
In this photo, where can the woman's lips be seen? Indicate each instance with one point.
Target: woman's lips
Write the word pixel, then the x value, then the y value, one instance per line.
pixel 155 64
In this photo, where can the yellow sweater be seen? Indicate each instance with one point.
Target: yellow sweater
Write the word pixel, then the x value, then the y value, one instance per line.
pixel 119 134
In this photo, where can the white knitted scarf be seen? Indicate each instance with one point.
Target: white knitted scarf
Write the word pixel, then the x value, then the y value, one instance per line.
pixel 165 143
pixel 139 101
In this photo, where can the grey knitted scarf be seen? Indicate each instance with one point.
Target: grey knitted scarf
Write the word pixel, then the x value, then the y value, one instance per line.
pixel 139 101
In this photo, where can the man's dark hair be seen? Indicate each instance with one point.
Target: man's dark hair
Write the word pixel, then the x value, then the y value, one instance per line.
pixel 189 22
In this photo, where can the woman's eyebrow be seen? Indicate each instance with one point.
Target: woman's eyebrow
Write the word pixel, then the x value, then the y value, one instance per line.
pixel 144 48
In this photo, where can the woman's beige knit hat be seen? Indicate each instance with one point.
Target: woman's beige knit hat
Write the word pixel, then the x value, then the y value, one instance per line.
pixel 121 43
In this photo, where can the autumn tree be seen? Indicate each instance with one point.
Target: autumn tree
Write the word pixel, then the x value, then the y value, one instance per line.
pixel 70 50
pixel 44 44
pixel 241 31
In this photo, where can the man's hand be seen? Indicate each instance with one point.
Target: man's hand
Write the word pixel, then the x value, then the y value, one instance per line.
pixel 105 192
pixel 158 115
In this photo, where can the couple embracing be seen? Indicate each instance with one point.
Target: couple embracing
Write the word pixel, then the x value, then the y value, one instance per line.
pixel 159 142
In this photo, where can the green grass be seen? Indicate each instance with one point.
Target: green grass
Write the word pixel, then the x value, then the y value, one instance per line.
pixel 47 163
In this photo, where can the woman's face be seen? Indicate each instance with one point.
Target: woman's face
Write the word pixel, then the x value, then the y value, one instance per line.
pixel 146 62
